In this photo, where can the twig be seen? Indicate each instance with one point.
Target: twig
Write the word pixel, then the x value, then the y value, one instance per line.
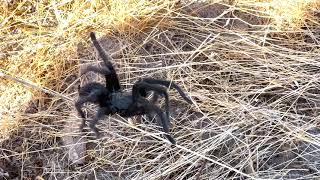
pixel 28 84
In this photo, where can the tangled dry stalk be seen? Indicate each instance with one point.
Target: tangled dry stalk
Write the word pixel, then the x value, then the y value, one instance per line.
pixel 251 70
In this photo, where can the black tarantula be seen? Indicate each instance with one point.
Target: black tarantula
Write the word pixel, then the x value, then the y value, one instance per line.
pixel 112 100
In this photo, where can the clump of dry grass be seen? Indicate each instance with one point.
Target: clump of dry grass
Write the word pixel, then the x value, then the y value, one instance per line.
pixel 286 14
pixel 254 80
pixel 39 43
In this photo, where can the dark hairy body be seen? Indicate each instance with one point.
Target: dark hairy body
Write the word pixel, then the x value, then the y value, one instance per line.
pixel 111 99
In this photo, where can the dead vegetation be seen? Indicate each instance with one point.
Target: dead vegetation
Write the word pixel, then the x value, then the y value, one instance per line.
pixel 251 68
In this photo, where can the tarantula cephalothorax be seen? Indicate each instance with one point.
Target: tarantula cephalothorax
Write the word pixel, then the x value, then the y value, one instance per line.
pixel 112 100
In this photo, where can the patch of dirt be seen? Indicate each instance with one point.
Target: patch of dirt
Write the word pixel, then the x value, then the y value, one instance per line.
pixel 25 155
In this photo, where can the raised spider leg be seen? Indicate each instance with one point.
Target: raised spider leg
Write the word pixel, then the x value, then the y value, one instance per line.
pixel 112 80
pixel 168 84
pixel 100 114
pixel 139 100
pixel 105 57
pixel 100 70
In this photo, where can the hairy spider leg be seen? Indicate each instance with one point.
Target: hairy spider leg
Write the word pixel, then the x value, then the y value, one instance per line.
pixel 137 97
pixel 164 122
pixel 144 87
pixel 94 93
pixel 100 114
pixel 112 80
pixel 79 104
pixel 155 98
pixel 168 84
pixel 100 70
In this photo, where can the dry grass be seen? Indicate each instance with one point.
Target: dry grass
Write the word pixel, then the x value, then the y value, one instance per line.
pixel 251 68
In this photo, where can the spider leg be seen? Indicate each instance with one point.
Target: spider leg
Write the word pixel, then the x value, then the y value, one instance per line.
pixel 101 112
pixel 150 117
pixel 112 80
pixel 94 93
pixel 164 121
pixel 168 84
pixel 149 107
pixel 144 87
pixel 101 70
pixel 105 57
pixel 154 98
pixel 104 71
pixel 79 104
